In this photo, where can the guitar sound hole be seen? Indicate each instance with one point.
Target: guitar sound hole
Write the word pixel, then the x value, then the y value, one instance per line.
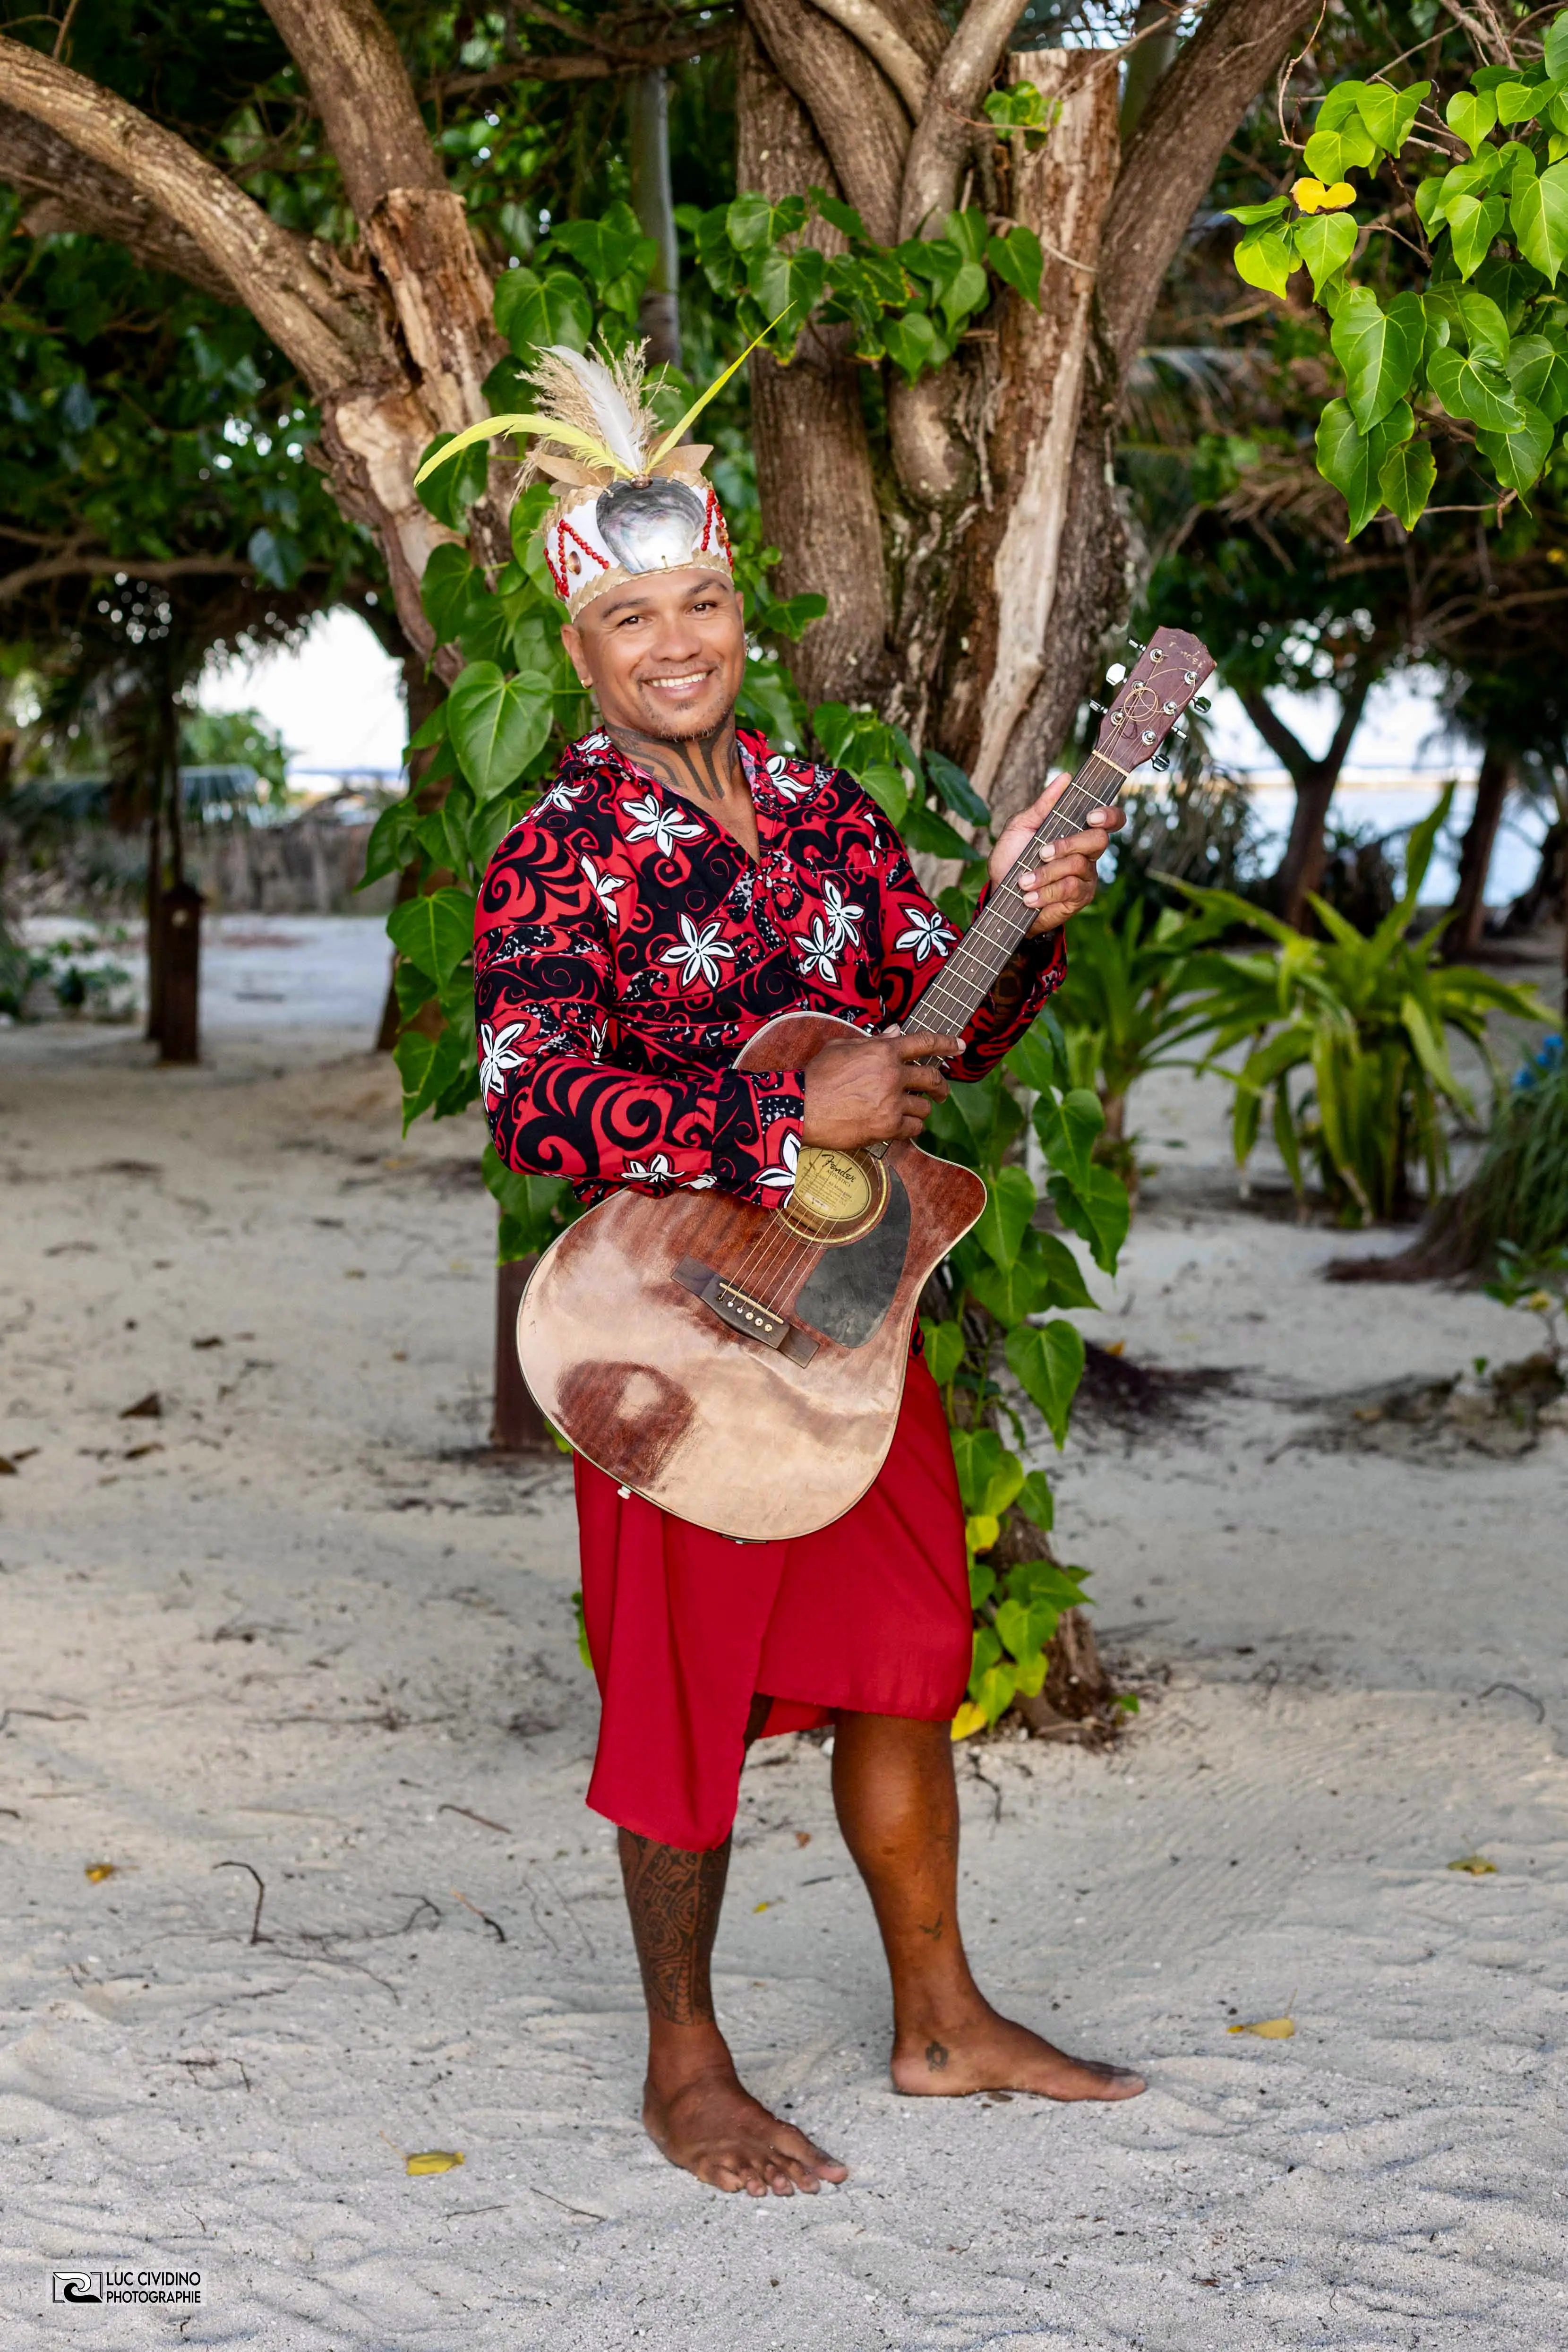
pixel 851 1288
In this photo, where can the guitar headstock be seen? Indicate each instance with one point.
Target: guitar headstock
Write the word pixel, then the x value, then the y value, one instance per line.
pixel 1167 677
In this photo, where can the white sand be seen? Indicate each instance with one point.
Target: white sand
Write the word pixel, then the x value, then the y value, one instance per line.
pixel 316 1616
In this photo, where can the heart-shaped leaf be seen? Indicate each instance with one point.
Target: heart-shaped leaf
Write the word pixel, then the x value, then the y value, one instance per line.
pixel 1406 481
pixel 1538 209
pixel 944 1349
pixel 1266 257
pixel 1330 154
pixel 1378 348
pixel 435 931
pixel 1518 456
pixel 1047 1361
pixel 1473 224
pixel 1325 246
pixel 1471 389
pixel 1011 1200
pixel 1470 114
pixel 498 724
pixel 1538 371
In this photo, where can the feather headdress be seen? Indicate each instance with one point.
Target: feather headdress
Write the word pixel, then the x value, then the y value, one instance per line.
pixel 629 497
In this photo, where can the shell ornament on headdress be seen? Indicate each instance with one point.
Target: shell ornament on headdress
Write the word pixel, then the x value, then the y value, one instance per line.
pixel 629 499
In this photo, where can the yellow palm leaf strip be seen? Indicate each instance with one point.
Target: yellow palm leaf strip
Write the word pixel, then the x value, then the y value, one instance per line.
pixel 717 385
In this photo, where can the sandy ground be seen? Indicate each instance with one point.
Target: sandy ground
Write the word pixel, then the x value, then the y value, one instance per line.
pixel 300 1622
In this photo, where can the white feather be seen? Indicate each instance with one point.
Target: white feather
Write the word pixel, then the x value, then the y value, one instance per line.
pixel 616 422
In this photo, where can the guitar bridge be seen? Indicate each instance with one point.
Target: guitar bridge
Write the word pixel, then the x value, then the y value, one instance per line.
pixel 744 1314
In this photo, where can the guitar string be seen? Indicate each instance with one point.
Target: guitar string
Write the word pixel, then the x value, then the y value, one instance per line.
pixel 778 1261
pixel 986 948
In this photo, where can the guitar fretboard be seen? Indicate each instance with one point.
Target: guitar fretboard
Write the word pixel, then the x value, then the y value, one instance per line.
pixel 956 993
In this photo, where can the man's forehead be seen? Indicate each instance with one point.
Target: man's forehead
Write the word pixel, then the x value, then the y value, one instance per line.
pixel 618 602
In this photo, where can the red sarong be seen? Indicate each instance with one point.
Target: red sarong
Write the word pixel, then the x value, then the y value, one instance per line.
pixel 871 1613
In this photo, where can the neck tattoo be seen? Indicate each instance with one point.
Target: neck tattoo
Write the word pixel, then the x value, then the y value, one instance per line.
pixel 703 767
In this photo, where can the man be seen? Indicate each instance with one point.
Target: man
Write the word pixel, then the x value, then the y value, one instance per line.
pixel 677 888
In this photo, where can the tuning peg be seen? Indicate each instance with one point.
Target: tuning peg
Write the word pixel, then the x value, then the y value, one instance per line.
pixel 1098 708
pixel 1161 759
pixel 1203 706
pixel 1138 644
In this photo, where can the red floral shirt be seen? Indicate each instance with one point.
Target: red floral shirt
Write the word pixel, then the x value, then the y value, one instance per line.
pixel 626 947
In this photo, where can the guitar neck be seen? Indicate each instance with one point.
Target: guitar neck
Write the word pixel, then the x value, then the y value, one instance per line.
pixel 956 993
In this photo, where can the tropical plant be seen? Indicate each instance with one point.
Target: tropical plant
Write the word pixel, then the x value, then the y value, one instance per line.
pixel 1478 351
pixel 1364 1019
pixel 1536 1280
pixel 1122 1007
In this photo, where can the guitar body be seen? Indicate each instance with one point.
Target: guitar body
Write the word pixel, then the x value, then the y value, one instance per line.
pixel 765 1408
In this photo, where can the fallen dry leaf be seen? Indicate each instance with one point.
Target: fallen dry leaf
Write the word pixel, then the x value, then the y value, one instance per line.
pixel 1117 1348
pixel 1268 2029
pixel 803 1837
pixel 433 2159
pixel 147 1408
pixel 98 1871
pixel 772 1899
pixel 1476 1866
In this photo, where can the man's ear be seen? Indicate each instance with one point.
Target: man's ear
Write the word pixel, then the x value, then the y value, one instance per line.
pixel 572 638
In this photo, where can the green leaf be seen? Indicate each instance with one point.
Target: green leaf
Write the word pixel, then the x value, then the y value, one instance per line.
pixel 1354 462
pixel 1470 114
pixel 924 830
pixel 957 790
pixel 451 582
pixel 996 1690
pixel 531 310
pixel 1475 391
pixel 1404 482
pixel 1250 215
pixel 1098 1210
pixel 1061 1269
pixel 1011 1200
pixel 1485 327
pixel 1067 1131
pixel 1266 257
pixel 1016 259
pixel 914 345
pixel 1036 1501
pixel 1325 242
pixel 435 932
pixel 1330 154
pixel 1520 101
pixel 887 789
pixel 1557 46
pixel 1048 1364
pixel 838 215
pixel 944 1349
pixel 1378 349
pixel 388 849
pixel 613 254
pixel 990 1474
pixel 498 724
pixel 430 1068
pixel 1472 225
pixel 1389 113
pixel 449 494
pixel 1518 456
pixel 1538 212
pixel 1538 371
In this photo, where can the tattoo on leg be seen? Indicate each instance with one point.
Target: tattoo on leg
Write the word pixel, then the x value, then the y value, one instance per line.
pixel 675 1899
pixel 934 1930
pixel 700 766
pixel 936 2056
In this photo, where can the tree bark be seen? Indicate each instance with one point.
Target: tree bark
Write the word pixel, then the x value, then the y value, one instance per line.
pixel 652 201
pixel 1301 869
pixel 1002 614
pixel 1494 784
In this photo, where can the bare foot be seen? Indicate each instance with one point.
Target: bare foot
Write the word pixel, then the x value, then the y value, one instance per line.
pixel 987 2052
pixel 710 2125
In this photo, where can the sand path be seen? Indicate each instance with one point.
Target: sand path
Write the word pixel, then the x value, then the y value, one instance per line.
pixel 300 1623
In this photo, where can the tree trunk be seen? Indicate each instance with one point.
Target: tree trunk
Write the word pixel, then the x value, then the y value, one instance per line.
pixel 1463 936
pixel 1301 869
pixel 1006 589
pixel 517 1425
pixel 652 201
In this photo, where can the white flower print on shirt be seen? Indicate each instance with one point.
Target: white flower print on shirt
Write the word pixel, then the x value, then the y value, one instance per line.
pixel 498 1057
pixel 817 953
pixel 658 1170
pixel 782 1178
pixel 657 824
pixel 561 794
pixel 843 915
pixel 927 934
pixel 605 886
pixel 783 782
pixel 700 953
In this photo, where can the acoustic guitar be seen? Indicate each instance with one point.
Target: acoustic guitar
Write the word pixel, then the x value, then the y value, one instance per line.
pixel 742 1367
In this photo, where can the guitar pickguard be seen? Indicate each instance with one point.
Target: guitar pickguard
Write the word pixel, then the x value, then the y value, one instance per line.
pixel 850 1288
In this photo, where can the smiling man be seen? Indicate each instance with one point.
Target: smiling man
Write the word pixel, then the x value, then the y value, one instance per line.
pixel 677 886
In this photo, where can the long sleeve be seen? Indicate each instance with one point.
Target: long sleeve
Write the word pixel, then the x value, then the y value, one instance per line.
pixel 558 1100
pixel 916 938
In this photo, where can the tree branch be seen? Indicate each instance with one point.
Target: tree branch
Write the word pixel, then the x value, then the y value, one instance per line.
pixel 355 75
pixel 72 193
pixel 903 64
pixel 853 106
pixel 599 65
pixel 320 328
pixel 1171 156
pixel 79 564
pixel 945 130
pixel 1285 744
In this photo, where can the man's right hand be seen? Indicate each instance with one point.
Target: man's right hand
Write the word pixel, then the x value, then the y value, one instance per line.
pixel 862 1090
